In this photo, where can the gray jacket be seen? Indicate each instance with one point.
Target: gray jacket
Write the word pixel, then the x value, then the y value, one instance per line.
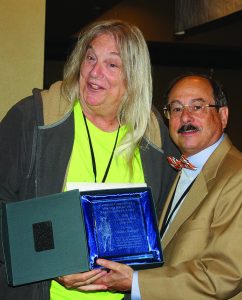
pixel 36 140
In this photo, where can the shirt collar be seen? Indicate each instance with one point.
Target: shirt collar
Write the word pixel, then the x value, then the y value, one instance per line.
pixel 200 158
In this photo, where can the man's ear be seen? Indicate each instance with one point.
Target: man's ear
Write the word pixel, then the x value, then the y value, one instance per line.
pixel 224 114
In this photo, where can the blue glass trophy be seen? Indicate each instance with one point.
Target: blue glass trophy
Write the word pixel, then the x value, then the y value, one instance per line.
pixel 121 226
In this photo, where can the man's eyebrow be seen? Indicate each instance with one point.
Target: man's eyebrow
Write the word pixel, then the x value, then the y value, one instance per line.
pixel 198 99
pixel 191 100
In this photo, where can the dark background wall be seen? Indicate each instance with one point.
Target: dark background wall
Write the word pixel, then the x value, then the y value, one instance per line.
pixel 215 45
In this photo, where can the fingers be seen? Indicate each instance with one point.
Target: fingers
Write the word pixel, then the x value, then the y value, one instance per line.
pixel 119 278
pixel 93 287
pixel 108 264
pixel 114 266
pixel 81 279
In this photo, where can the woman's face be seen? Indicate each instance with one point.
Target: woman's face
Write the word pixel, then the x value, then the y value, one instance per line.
pixel 102 83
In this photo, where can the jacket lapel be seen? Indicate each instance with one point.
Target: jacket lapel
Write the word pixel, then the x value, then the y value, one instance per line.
pixel 168 200
pixel 197 193
pixel 191 202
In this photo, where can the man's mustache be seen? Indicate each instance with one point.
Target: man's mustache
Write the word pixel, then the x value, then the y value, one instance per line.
pixel 187 127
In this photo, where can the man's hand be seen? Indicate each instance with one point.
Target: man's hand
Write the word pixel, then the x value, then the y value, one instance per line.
pixel 84 281
pixel 119 278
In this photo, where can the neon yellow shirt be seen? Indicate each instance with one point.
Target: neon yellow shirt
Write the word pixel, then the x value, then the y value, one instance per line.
pixel 80 170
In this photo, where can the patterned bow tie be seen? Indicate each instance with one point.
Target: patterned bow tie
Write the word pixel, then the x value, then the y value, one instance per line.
pixel 178 164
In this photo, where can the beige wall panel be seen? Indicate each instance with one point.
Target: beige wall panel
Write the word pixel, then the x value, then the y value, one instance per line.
pixel 22 29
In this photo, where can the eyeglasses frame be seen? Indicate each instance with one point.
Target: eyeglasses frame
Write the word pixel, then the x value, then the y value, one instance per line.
pixel 167 110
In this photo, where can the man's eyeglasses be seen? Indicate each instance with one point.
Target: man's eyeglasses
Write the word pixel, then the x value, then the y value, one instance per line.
pixel 175 109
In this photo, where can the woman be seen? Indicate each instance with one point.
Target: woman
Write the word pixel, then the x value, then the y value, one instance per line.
pixel 95 126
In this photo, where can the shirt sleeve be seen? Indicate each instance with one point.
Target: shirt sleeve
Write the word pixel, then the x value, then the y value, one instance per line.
pixel 135 292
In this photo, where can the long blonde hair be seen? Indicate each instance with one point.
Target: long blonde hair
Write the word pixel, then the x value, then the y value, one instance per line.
pixel 135 107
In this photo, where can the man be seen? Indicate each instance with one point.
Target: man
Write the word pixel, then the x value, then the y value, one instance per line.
pixel 202 228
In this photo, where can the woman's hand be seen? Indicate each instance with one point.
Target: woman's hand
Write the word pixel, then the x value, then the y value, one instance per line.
pixel 83 281
pixel 119 278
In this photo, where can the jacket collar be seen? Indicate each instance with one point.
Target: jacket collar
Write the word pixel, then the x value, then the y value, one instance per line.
pixel 197 193
pixel 55 105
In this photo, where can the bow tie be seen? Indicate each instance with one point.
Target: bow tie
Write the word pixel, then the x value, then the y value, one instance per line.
pixel 178 164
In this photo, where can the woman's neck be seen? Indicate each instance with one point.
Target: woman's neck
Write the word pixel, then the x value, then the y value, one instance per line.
pixel 105 123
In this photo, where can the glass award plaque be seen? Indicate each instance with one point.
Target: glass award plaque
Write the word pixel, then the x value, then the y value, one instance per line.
pixel 121 226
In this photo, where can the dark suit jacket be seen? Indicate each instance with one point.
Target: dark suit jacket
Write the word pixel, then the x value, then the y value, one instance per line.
pixel 203 245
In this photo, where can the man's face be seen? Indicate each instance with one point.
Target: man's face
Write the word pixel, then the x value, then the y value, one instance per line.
pixel 193 132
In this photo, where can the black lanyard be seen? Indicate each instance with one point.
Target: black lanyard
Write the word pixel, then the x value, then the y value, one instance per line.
pixel 170 213
pixel 94 168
